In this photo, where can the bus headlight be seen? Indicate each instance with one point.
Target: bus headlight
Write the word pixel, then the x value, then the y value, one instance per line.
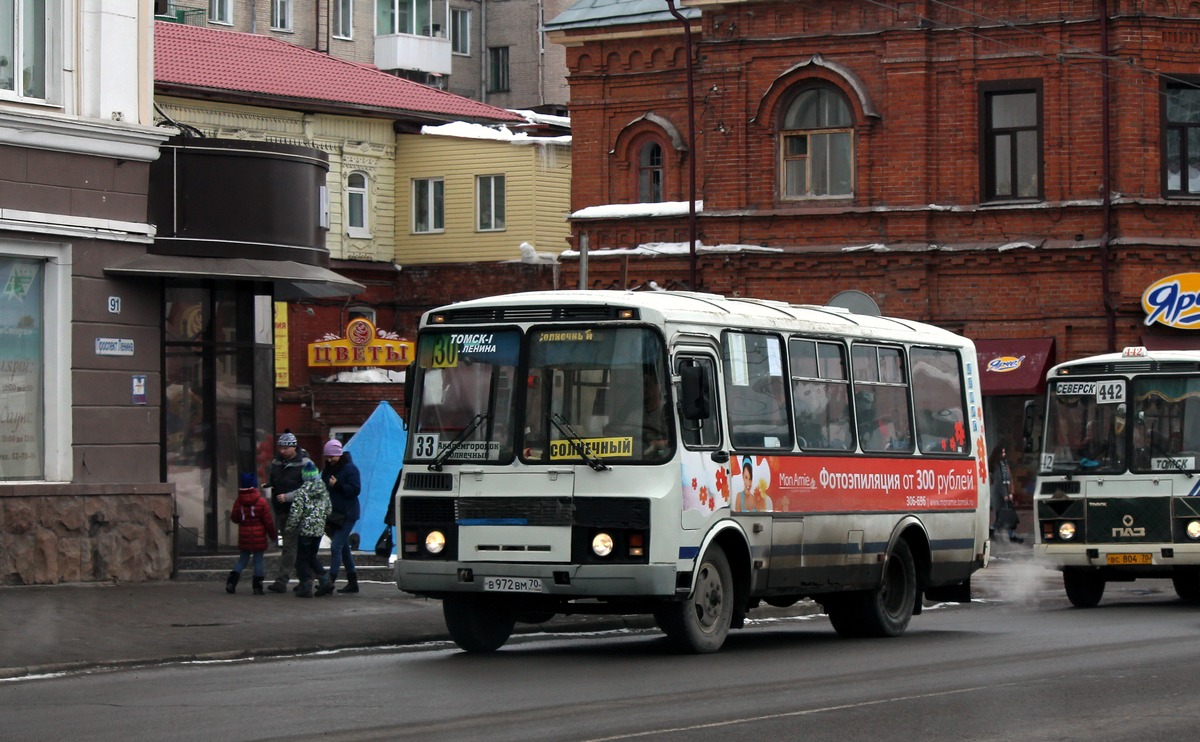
pixel 435 542
pixel 602 544
pixel 1193 530
pixel 1066 530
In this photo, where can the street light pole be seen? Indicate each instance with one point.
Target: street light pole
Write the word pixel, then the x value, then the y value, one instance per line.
pixel 691 126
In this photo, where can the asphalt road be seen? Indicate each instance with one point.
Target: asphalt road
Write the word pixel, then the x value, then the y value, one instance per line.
pixel 1027 666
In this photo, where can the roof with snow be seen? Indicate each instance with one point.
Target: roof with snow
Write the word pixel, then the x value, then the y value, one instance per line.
pixel 271 72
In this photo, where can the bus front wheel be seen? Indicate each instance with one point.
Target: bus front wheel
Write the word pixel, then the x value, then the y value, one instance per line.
pixel 701 623
pixel 477 625
pixel 1084 587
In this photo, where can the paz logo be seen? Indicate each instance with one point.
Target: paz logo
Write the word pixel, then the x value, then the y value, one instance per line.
pixel 1004 364
pixel 1174 301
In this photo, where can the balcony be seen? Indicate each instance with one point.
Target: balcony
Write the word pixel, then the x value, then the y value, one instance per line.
pixel 403 51
pixel 185 15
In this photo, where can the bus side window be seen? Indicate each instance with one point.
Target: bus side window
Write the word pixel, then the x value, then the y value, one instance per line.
pixel 938 401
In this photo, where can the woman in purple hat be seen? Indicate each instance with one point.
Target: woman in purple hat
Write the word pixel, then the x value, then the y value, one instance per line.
pixel 342 478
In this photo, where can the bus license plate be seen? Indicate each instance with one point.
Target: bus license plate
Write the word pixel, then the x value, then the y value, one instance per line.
pixel 513 584
pixel 1121 559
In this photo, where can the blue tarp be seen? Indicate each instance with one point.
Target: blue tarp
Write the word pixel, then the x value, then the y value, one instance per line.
pixel 378 450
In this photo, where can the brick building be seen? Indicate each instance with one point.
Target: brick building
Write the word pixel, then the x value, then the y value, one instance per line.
pixel 1011 171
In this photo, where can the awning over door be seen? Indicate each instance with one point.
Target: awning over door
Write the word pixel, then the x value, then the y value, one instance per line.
pixel 292 280
pixel 1014 366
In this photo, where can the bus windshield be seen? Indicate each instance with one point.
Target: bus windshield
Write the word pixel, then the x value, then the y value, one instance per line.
pixel 1100 426
pixel 465 407
pixel 596 394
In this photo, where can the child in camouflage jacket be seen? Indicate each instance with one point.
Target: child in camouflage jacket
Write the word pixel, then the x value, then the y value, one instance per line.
pixel 310 508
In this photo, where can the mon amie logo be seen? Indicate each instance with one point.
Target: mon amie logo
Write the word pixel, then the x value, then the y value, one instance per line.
pixel 363 345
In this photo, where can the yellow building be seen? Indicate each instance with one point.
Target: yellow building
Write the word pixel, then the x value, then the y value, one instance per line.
pixel 478 194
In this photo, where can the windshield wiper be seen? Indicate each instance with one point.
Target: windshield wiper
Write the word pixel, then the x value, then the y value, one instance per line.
pixel 436 464
pixel 581 448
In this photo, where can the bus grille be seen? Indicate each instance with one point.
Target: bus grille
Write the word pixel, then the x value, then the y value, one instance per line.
pixel 1064 488
pixel 435 510
pixel 533 511
pixel 431 481
pixel 1129 367
pixel 1128 520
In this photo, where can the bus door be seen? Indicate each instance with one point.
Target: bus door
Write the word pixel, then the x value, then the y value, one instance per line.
pixel 703 456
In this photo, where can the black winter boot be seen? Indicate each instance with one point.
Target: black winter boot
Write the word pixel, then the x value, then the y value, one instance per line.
pixel 278 586
pixel 325 587
pixel 306 589
pixel 258 590
pixel 231 581
pixel 351 583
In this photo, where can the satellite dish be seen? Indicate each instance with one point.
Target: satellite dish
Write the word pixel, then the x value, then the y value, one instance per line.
pixel 856 302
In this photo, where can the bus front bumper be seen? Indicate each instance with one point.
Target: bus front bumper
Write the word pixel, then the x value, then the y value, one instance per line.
pixel 562 581
pixel 1146 558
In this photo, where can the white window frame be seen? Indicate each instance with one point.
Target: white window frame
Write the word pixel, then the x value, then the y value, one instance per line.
pixel 364 211
pixel 460 17
pixel 281 15
pixel 496 225
pixel 342 22
pixel 50 81
pixel 432 216
pixel 220 12
pixel 56 352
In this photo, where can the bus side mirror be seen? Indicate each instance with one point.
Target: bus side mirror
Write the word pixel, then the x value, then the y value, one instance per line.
pixel 694 401
pixel 1027 428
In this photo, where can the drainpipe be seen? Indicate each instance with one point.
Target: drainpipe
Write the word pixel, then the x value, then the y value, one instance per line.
pixel 691 117
pixel 1110 309
pixel 483 51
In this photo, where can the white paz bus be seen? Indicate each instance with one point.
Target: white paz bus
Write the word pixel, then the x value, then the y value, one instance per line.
pixel 688 456
pixel 1117 496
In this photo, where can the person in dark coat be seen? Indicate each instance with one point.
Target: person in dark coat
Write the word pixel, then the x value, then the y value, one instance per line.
pixel 255 526
pixel 284 481
pixel 344 482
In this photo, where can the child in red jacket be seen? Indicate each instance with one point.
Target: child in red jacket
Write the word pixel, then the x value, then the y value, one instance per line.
pixel 253 516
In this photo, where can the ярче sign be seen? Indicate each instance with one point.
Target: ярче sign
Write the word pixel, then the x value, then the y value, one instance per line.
pixel 114 346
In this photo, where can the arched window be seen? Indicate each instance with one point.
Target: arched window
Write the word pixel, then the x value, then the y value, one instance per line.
pixel 816 145
pixel 650 173
pixel 356 205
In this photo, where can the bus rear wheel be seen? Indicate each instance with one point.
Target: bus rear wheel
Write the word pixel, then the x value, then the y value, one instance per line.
pixel 885 610
pixel 1084 587
pixel 700 624
pixel 476 624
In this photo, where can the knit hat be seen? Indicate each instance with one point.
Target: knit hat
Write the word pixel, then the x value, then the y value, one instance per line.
pixel 247 481
pixel 310 470
pixel 333 447
pixel 287 439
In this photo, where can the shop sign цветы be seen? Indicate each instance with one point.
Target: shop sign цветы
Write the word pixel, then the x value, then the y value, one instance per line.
pixel 362 346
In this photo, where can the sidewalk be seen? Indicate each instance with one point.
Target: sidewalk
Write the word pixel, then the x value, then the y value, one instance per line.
pixel 62 628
